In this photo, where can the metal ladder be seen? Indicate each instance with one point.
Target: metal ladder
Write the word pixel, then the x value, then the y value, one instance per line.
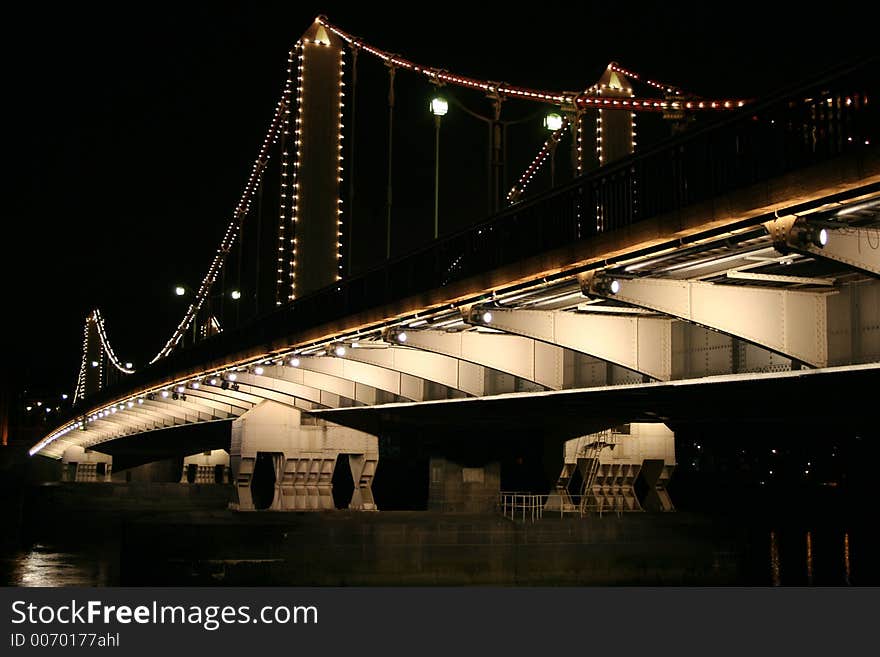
pixel 590 453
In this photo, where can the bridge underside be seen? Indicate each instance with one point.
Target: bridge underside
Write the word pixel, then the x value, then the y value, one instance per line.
pixel 516 440
pixel 777 398
pixel 798 397
pixel 135 450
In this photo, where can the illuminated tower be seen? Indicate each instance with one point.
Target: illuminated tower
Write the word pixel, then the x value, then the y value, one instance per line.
pixel 311 216
pixel 615 130
pixel 91 370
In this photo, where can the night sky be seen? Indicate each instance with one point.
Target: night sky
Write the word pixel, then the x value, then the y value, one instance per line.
pixel 130 130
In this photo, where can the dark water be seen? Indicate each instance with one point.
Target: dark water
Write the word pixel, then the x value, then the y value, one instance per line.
pixel 777 557
pixel 55 565
pixel 45 565
pixel 817 558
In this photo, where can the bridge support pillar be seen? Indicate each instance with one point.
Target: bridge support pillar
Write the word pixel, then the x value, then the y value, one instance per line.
pixel 457 488
pixel 363 469
pixel 85 465
pixel 612 466
pixel 211 467
pixel 283 460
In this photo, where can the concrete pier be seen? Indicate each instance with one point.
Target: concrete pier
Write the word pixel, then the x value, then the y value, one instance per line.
pixel 86 465
pixel 284 460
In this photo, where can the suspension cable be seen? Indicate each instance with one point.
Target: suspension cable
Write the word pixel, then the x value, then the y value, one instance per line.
pixel 80 390
pixel 580 100
pixel 662 86
pixel 232 230
pixel 538 162
pixel 105 343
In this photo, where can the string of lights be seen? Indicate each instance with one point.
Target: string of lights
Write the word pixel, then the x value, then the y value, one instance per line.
pixel 579 136
pixel 537 162
pixel 232 231
pixel 80 390
pixel 297 140
pixel 297 163
pixel 582 100
pixel 655 105
pixel 100 362
pixel 212 376
pixel 339 138
pixel 662 86
pixel 437 75
pixel 635 183
pixel 285 212
pixel 600 154
pixel 105 344
pixel 280 123
pixel 543 153
pixel 55 435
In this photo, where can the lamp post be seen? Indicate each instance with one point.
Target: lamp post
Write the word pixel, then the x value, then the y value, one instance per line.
pixel 438 108
pixel 182 289
pixel 235 295
pixel 553 122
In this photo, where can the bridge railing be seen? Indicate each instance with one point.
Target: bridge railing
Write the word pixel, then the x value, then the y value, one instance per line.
pixel 803 126
pixel 531 507
pixel 799 128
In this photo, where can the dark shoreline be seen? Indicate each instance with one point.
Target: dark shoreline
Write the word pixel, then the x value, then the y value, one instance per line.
pixel 183 535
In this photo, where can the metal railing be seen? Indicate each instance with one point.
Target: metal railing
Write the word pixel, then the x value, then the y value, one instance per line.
pixel 522 507
pixel 530 507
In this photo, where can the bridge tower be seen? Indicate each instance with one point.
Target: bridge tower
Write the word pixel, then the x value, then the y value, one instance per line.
pixel 91 371
pixel 614 130
pixel 311 201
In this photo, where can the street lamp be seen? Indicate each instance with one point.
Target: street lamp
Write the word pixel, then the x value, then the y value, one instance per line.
pixel 553 123
pixel 184 289
pixel 438 108
pixel 180 290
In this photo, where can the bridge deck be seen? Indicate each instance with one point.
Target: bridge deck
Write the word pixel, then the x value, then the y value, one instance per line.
pixel 776 158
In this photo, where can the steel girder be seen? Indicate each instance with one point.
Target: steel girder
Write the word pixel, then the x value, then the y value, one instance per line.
pixel 789 322
pixel 642 344
pixel 857 247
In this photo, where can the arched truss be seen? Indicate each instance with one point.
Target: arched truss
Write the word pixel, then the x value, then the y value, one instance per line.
pixel 501 347
pixel 790 322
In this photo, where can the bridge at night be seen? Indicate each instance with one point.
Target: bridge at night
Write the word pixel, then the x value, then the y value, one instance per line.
pixel 726 272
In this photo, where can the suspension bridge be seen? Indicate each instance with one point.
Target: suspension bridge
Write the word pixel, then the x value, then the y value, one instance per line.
pixel 608 285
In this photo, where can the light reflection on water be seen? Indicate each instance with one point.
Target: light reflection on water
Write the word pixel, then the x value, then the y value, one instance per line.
pixel 816 558
pixel 45 565
pixel 792 558
pixel 776 580
pixel 809 559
